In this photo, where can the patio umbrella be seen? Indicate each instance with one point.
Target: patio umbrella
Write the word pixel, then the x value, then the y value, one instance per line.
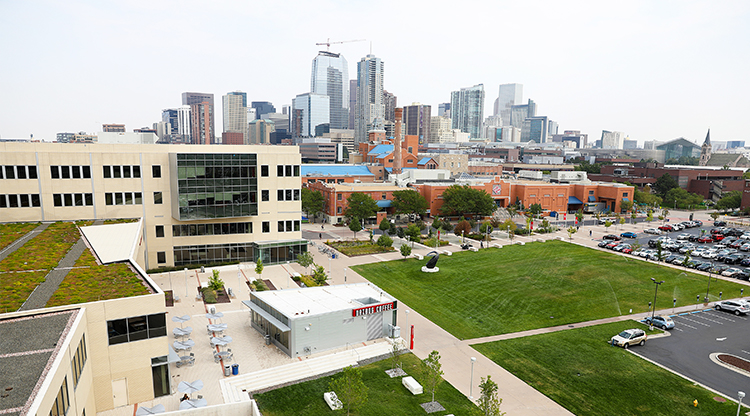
pixel 183 345
pixel 193 404
pixel 214 315
pixel 145 411
pixel 181 319
pixel 226 339
pixel 190 388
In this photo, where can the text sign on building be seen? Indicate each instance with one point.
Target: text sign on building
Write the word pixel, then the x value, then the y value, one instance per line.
pixel 497 189
pixel 367 310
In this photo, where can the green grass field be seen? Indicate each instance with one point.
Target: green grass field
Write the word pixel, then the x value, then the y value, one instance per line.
pixel 516 288
pixel 612 381
pixel 386 396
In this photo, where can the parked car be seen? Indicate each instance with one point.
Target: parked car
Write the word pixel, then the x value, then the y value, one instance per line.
pixel 744 274
pixel 734 306
pixel 698 223
pixel 629 234
pixel 720 223
pixel 745 246
pixel 621 247
pixel 717 237
pixel 731 272
pixel 660 321
pixel 666 228
pixel 735 244
pixel 687 247
pixel 629 337
pixel 745 262
pixel 678 260
pixel 603 243
pixel 705 239
pixel 683 236
pixel 693 264
pixel 612 237
pixel 719 268
pixel 652 231
pixel 612 245
pixel 734 258
pixel 704 267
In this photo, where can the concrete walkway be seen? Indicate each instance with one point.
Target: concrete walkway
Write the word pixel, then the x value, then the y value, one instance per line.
pixel 42 293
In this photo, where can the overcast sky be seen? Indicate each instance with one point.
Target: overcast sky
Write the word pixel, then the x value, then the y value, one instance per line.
pixel 653 70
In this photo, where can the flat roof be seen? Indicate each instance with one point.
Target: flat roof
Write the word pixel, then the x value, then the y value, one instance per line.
pixel 108 249
pixel 318 300
pixel 28 347
pixel 368 187
pixel 334 170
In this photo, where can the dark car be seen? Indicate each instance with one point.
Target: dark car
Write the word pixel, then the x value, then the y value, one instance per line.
pixel 745 262
pixel 693 264
pixel 603 243
pixel 629 234
pixel 720 224
pixel 719 268
pixel 670 258
pixel 612 237
pixel 704 267
pixel 736 243
pixel 734 258
pixel 693 238
pixel 744 274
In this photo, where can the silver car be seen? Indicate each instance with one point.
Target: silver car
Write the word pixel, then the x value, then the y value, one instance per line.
pixel 737 307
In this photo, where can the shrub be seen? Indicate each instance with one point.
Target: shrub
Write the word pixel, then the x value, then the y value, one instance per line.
pixel 400 232
pixel 209 295
pixel 214 282
pixel 463 227
pixel 260 285
pixel 385 241
pixel 522 231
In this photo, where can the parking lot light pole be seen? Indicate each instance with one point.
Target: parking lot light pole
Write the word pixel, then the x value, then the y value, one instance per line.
pixel 471 384
pixel 709 286
pixel 741 395
pixel 656 290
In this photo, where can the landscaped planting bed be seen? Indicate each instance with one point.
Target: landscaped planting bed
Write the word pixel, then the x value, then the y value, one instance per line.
pixel 12 232
pixel 44 251
pixel 16 288
pixel 358 248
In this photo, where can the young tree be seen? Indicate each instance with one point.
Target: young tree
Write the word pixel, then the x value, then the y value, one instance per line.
pixel 312 202
pixel 572 230
pixel 512 211
pixel 361 206
pixel 259 267
pixel 622 221
pixel 432 372
pixel 409 201
pixel 664 184
pixel 650 216
pixel 607 224
pixel 509 227
pixel 633 216
pixel 664 213
pixel 528 224
pixel 579 216
pixel 489 403
pixel 384 241
pixel 715 215
pixel 355 225
pixel 535 209
pixel 462 228
pixel 405 250
pixel 413 232
pixel 385 225
pixel 319 275
pixel 686 260
pixel 305 259
pixel 350 389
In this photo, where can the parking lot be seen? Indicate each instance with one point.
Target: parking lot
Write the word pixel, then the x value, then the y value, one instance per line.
pixel 695 337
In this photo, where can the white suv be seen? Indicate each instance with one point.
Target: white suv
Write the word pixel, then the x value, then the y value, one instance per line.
pixel 629 337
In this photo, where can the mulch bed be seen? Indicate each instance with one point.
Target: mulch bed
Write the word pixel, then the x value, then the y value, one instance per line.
pixel 735 361
pixel 168 298
pixel 269 284
pixel 221 297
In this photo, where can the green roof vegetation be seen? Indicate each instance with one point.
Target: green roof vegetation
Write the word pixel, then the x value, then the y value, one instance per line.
pixel 538 285
pixel 45 250
pixel 12 232
pixel 16 288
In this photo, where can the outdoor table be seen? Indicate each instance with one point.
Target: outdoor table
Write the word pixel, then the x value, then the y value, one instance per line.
pixel 183 345
pixel 225 355
pixel 217 327
pixel 226 339
pixel 193 404
pixel 214 315
pixel 182 332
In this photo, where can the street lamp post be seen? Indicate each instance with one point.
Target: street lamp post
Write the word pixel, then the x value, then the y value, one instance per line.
pixel 741 395
pixel 471 384
pixel 709 285
pixel 408 330
pixel 656 290
pixel 344 274
pixel 186 286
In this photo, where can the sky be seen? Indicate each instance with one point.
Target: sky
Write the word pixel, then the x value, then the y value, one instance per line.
pixel 653 70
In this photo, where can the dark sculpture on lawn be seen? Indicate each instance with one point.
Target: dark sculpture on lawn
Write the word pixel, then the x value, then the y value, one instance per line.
pixel 430 267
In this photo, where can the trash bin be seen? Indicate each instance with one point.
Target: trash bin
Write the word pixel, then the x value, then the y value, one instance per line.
pixel 227 370
pixel 235 369
pixel 203 269
pixel 268 339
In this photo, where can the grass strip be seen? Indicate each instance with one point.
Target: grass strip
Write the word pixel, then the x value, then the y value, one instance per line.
pixel 579 370
pixel 44 251
pixel 12 232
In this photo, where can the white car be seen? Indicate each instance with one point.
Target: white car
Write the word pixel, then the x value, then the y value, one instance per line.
pixel 652 231
pixel 683 236
pixel 710 254
pixel 630 337
pixel 730 272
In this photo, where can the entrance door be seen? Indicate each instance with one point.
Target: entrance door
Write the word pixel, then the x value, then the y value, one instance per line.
pixel 375 326
pixel 120 392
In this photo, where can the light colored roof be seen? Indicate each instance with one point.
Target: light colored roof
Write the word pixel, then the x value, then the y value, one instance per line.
pixel 366 187
pixel 335 170
pixel 321 299
pixel 112 242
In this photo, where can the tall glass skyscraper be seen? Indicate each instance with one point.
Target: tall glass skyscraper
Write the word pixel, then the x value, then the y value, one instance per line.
pixel 312 111
pixel 508 96
pixel 330 76
pixel 467 110
pixel 370 111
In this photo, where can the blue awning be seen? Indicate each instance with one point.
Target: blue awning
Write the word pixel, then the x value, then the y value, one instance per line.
pixel 626 200
pixel 385 203
pixel 592 199
pixel 573 200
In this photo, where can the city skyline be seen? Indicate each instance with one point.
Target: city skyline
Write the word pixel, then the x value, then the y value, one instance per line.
pixel 652 71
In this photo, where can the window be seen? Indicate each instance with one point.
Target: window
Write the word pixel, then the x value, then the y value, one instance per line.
pixel 296 170
pixel 296 194
pixel 136 171
pixel 37 202
pixel 279 170
pixel 288 195
pixel 62 402
pixel 13 201
pixel 68 200
pixel 264 170
pixel 136 328
pixel 106 172
pixel 65 172
pixel 119 200
pixel 591 192
pixel 108 199
pixel 24 200
pixel 288 170
pixel 281 226
pixel 383 196
pixel 138 198
pixel 266 227
pixel 85 170
pixel 126 171
pixel 21 172
pixel 157 198
pixel 3 204
pixel 54 172
pixel 57 200
pixel 338 197
pixel 289 225
pixel 279 194
pixel 624 194
pixel 338 210
pixel 156 171
pixel 264 195
pixel 296 225
pixel 79 360
pixel 161 257
pixel 159 231
pixel 116 172
pixel 76 172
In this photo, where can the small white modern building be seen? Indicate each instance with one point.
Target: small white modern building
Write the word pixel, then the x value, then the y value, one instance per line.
pixel 309 320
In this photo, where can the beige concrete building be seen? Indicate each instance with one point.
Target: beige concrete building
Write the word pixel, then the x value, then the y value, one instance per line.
pixel 457 163
pixel 200 205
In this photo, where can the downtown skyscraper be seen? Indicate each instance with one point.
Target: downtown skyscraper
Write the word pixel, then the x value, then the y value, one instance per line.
pixel 370 111
pixel 467 110
pixel 201 116
pixel 330 77
pixel 234 113
pixel 508 96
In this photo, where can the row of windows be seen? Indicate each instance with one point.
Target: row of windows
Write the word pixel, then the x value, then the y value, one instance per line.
pixel 287 195
pixel 62 402
pixel 288 225
pixel 20 201
pixel 79 360
pixel 128 171
pixel 137 328
pixel 287 170
pixel 73 200
pixel 18 172
pixel 70 172
pixel 212 229
pixel 123 198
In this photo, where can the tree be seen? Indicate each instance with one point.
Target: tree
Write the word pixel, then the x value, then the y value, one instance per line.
pixel 607 224
pixel 681 198
pixel 312 202
pixel 361 206
pixel 626 205
pixel 437 224
pixel 215 282
pixel 405 250
pixel 572 230
pixel 305 259
pixel 535 209
pixel 579 216
pixel 385 225
pixel 384 241
pixel 355 225
pixel 650 216
pixel 659 251
pixel 467 200
pixel 432 372
pixel 664 184
pixel 259 267
pixel 510 227
pixel 731 200
pixel 489 403
pixel 512 211
pixel 622 221
pixel 319 275
pixel 633 216
pixel 714 215
pixel 409 201
pixel 646 197
pixel 462 228
pixel 413 232
pixel 350 389
pixel 686 260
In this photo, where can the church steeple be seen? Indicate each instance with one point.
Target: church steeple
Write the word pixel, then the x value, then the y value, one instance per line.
pixel 706 150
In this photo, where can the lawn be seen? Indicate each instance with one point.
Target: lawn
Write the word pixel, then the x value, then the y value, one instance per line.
pixel 89 282
pixel 386 396
pixel 496 291
pixel 579 370
pixel 12 232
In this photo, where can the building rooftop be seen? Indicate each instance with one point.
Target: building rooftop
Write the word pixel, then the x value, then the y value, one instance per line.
pixel 334 170
pixel 369 187
pixel 323 299
pixel 381 150
pixel 28 347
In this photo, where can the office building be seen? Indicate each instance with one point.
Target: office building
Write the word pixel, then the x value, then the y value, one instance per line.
pixel 234 111
pixel 508 96
pixel 330 76
pixel 259 131
pixel 467 110
pixel 612 139
pixel 170 117
pixel 444 110
pixel 520 112
pixel 440 130
pixel 417 121
pixel 390 102
pixel 261 108
pixel 113 128
pixel 370 110
pixel 314 111
pixel 352 102
pixel 202 128
pixel 199 204
pixel 630 144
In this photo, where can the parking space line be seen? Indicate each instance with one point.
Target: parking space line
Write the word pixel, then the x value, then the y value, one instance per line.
pixel 746 352
pixel 707 318
pixel 684 324
pixel 697 322
pixel 722 316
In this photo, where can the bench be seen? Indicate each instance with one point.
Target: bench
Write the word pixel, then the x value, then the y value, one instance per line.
pixel 418 256
pixel 448 253
pixel 412 385
pixel 333 402
pixel 473 249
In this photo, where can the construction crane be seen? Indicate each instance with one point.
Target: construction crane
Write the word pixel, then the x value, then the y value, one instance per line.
pixel 328 43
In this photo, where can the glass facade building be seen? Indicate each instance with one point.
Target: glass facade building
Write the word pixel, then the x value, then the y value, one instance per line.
pixel 330 76
pixel 314 111
pixel 271 252
pixel 214 186
pixel 467 110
